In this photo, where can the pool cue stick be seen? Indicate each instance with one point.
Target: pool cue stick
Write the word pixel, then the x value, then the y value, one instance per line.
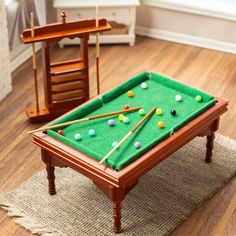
pixel 34 62
pixel 85 119
pixel 97 52
pixel 128 134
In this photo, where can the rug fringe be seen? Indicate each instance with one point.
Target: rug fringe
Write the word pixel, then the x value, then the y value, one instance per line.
pixel 26 221
pixel 225 141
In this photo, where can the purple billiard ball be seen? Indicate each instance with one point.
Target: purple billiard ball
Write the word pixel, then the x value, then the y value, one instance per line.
pixel 137 145
pixel 111 122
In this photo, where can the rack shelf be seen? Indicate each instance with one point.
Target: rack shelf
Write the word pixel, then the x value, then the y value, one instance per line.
pixel 67 67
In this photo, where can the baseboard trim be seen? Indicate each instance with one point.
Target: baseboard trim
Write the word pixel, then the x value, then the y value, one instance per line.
pixel 103 39
pixel 23 56
pixel 217 8
pixel 4 92
pixel 186 39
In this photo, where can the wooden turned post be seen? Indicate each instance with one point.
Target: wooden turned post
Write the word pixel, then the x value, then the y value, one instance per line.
pixel 63 17
pixel 50 172
pixel 51 179
pixel 117 195
pixel 209 146
pixel 117 216
pixel 210 140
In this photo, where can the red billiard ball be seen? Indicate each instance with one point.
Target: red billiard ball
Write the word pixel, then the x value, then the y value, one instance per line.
pixel 60 132
pixel 126 107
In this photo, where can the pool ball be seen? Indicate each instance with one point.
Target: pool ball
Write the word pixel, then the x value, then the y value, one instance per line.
pixel 137 145
pixel 160 124
pixel 92 132
pixel 111 122
pixel 126 107
pixel 158 111
pixel 144 85
pixel 114 144
pixel 77 136
pixel 198 98
pixel 60 132
pixel 130 93
pixel 126 120
pixel 178 98
pixel 141 112
pixel 173 112
pixel 121 117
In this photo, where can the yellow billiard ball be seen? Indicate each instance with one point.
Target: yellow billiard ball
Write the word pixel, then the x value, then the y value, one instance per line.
pixel 130 93
pixel 160 124
pixel 121 117
pixel 158 111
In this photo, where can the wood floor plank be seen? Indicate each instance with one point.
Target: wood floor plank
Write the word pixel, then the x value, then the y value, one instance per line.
pixel 206 69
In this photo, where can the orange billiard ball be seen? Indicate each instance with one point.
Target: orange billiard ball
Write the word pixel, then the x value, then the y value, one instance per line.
pixel 161 124
pixel 130 93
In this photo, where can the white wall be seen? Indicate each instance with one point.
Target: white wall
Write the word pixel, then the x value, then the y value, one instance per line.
pixel 5 77
pixel 188 27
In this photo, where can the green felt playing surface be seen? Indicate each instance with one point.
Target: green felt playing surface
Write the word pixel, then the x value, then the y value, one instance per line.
pixel 161 92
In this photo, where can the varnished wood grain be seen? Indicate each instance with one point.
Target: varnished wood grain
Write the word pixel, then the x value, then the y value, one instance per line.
pixel 58 102
pixel 210 70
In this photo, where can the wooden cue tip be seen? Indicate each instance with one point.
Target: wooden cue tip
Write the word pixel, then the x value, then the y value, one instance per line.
pixel 32 20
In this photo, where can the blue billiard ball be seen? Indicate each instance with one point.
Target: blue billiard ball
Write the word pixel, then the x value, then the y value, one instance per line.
pixel 137 145
pixel 92 132
pixel 77 136
pixel 111 122
pixel 126 120
pixel 114 144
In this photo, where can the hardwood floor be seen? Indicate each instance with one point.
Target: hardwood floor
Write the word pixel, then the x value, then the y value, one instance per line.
pixel 210 70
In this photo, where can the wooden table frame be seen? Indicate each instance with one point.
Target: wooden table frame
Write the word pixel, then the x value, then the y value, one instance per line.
pixel 116 185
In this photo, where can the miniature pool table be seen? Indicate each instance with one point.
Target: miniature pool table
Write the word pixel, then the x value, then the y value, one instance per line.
pixel 195 113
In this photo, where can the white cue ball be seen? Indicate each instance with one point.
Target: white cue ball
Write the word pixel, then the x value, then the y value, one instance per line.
pixel 178 98
pixel 144 85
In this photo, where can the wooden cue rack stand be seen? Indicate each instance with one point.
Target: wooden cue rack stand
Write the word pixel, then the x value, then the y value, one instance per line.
pixel 66 83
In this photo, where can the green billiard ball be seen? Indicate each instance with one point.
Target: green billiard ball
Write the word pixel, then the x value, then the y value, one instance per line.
pixel 198 98
pixel 141 112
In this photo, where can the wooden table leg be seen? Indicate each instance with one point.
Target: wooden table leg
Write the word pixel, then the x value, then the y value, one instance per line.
pixel 51 179
pixel 117 195
pixel 117 216
pixel 50 172
pixel 210 140
pixel 209 146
